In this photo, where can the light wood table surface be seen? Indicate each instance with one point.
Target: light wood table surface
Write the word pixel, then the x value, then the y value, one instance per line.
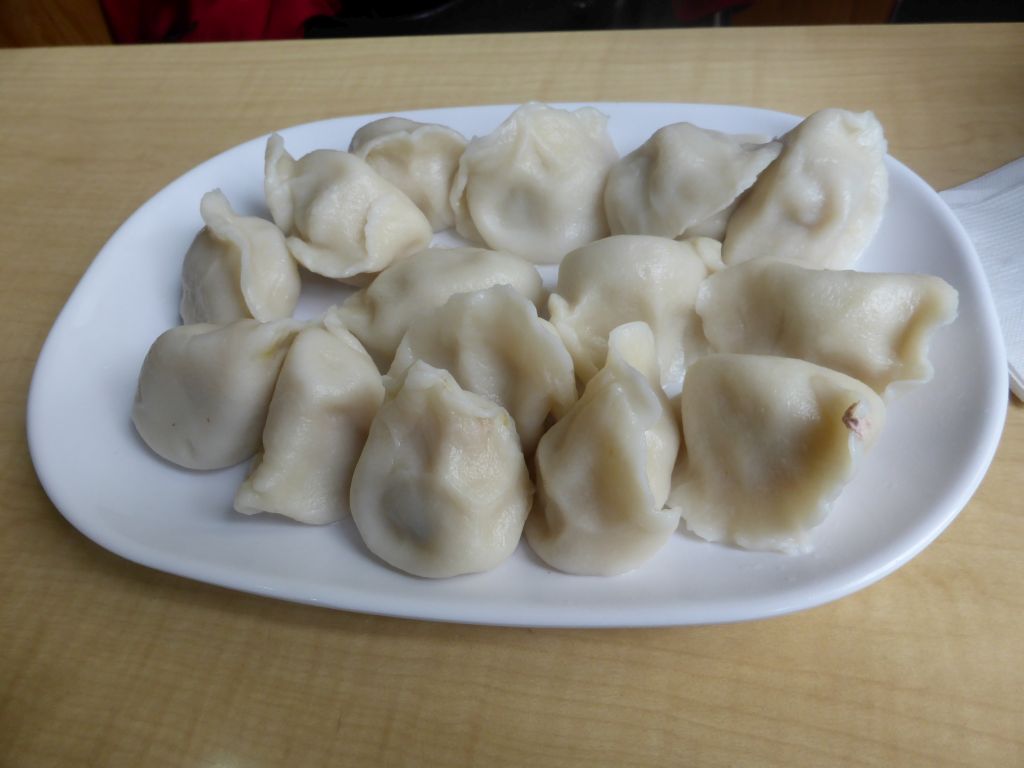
pixel 106 663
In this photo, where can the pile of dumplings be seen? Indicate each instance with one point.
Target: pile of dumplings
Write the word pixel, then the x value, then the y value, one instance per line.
pixel 706 356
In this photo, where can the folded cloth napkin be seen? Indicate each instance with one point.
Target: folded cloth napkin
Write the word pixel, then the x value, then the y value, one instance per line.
pixel 991 208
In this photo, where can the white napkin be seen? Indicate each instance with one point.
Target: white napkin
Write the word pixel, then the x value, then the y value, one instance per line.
pixel 991 208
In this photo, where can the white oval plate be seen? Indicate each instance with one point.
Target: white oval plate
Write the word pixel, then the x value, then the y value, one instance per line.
pixel 936 446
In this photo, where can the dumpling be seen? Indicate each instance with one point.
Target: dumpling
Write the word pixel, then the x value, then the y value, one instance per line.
pixel 418 158
pixel 380 314
pixel 204 390
pixel 325 398
pixel 714 226
pixel 343 220
pixel 494 344
pixel 441 488
pixel 874 327
pixel 604 470
pixel 819 203
pixel 770 442
pixel 632 277
pixel 534 186
pixel 237 267
pixel 680 178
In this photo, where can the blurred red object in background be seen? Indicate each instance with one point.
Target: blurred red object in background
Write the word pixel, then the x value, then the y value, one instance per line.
pixel 161 21
pixel 689 11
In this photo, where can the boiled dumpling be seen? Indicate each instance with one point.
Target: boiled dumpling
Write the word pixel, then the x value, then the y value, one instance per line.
pixel 441 488
pixel 770 442
pixel 418 158
pixel 682 177
pixel 204 390
pixel 237 267
pixel 494 344
pixel 534 186
pixel 325 398
pixel 604 470
pixel 380 314
pixel 626 278
pixel 343 219
pixel 714 226
pixel 819 203
pixel 874 327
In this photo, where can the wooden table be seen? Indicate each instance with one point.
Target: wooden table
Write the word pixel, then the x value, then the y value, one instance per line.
pixel 106 663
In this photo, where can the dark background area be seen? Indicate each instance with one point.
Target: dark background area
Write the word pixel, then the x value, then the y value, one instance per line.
pixel 401 17
pixel 95 22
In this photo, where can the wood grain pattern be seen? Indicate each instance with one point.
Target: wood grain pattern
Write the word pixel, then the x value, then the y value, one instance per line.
pixel 105 663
